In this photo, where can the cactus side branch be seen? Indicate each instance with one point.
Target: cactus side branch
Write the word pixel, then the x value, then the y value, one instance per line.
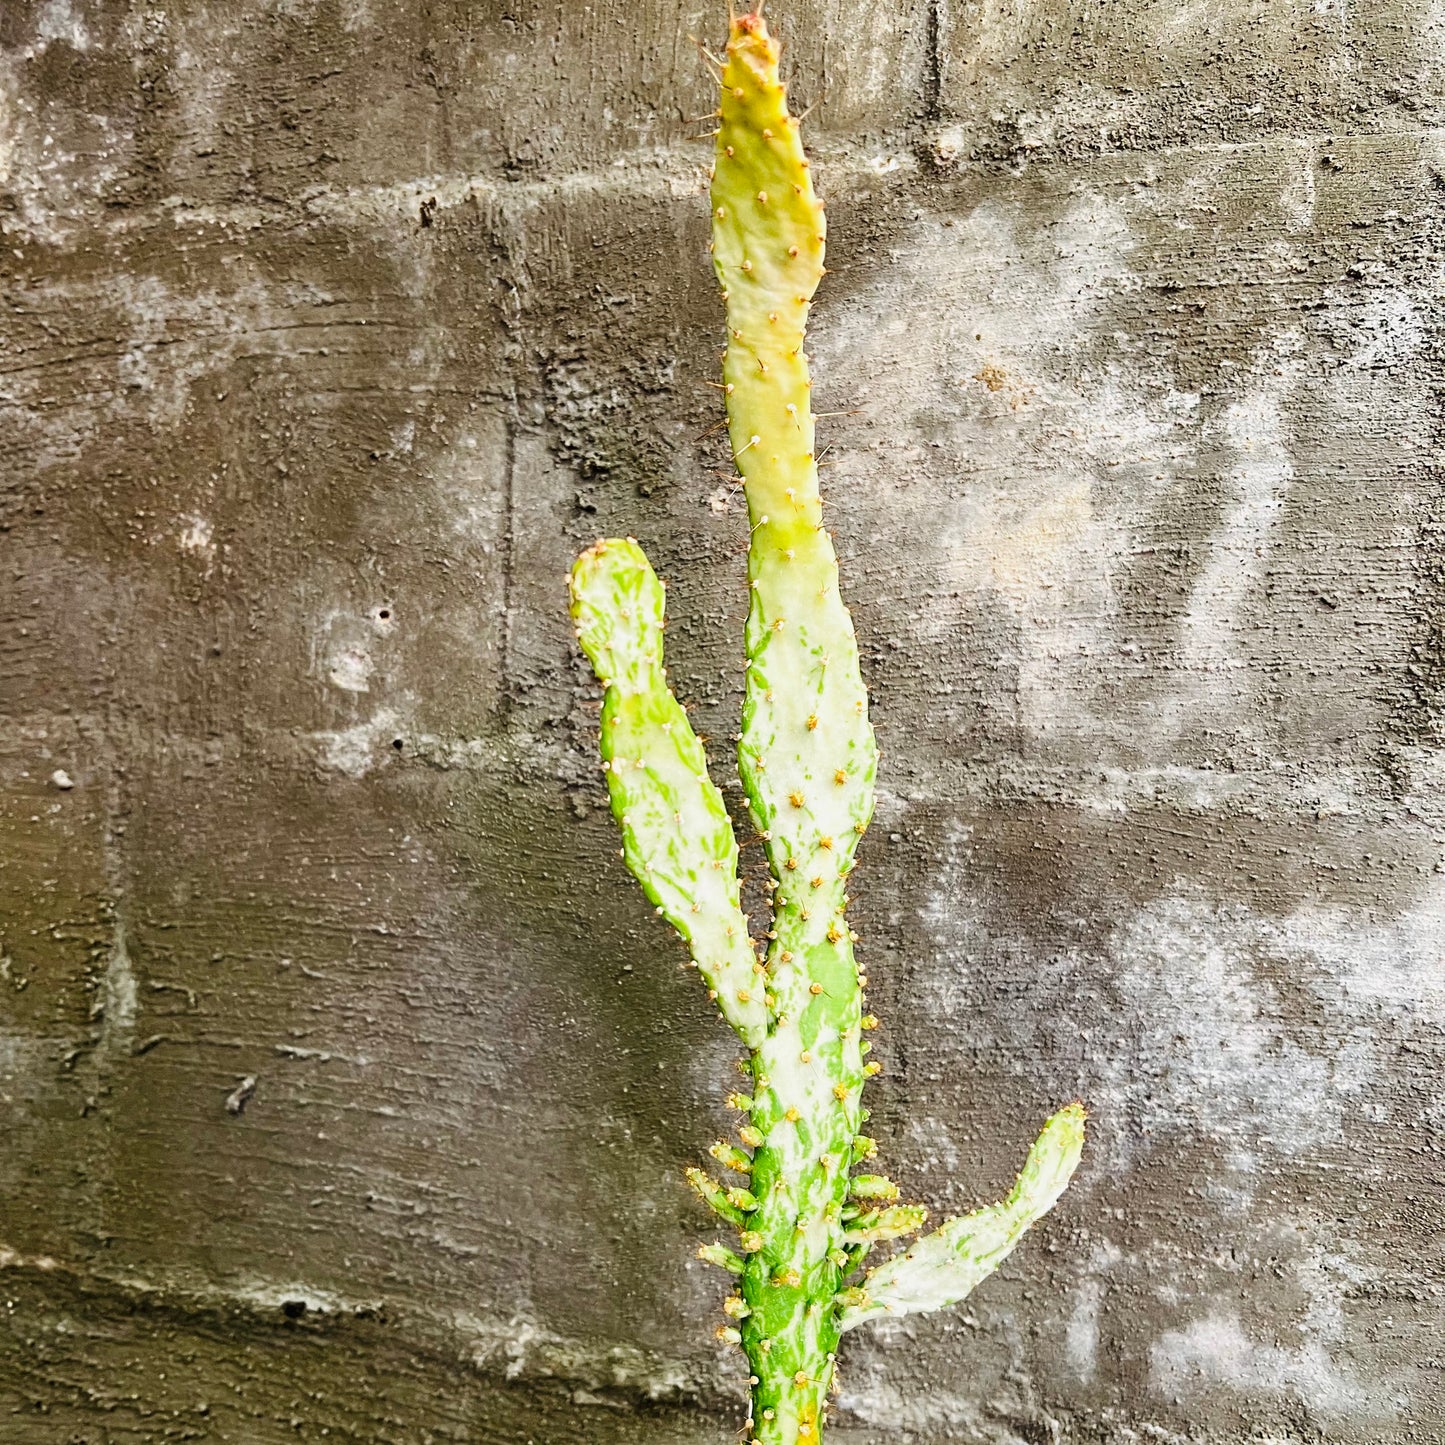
pixel 943 1267
pixel 677 837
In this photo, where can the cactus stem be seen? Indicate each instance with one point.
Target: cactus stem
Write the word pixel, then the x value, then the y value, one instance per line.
pixel 794 995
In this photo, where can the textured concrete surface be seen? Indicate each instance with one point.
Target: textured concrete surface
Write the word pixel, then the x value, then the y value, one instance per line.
pixel 346 1080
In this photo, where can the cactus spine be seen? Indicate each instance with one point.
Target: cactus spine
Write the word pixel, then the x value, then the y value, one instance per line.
pixel 807 759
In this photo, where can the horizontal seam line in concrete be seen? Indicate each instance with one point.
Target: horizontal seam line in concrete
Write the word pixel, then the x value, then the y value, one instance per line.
pixel 640 171
pixel 1335 791
pixel 489 1347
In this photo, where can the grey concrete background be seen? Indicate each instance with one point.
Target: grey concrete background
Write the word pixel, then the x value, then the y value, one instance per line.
pixel 332 328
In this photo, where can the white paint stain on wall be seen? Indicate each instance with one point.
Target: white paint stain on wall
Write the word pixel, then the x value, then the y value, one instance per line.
pixel 1216 687
pixel 1217 1060
pixel 58 21
pixel 1116 528
pixel 1386 331
pixel 1053 456
pixel 116 1006
pixel 355 751
pixel 1297 196
pixel 1081 1329
pixel 1218 1351
pixel 197 538
pixel 350 669
pixel 343 647
pixel 1212 1057
pixel 1373 967
pixel 1081 1332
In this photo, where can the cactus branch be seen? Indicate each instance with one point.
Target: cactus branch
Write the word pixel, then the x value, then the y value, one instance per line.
pixel 943 1267
pixel 716 1198
pixel 806 757
pixel 722 1256
pixel 677 837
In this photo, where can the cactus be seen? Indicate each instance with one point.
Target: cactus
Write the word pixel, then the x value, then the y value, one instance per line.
pixel 805 1220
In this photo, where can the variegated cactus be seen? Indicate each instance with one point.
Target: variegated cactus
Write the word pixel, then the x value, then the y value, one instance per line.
pixel 805 1219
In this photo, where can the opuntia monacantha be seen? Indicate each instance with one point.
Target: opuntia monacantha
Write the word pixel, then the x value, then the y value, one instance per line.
pixel 805 1219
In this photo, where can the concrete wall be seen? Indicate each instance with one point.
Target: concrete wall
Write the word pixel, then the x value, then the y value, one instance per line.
pixel 332 328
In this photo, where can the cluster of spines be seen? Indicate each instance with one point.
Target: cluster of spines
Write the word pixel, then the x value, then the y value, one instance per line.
pixel 806 1220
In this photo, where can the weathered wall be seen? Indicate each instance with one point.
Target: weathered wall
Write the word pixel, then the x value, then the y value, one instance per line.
pixel 332 328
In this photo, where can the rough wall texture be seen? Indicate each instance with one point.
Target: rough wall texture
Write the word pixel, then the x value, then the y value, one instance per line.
pixel 332 328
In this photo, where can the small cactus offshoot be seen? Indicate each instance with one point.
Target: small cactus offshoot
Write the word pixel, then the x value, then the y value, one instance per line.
pixel 806 1217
